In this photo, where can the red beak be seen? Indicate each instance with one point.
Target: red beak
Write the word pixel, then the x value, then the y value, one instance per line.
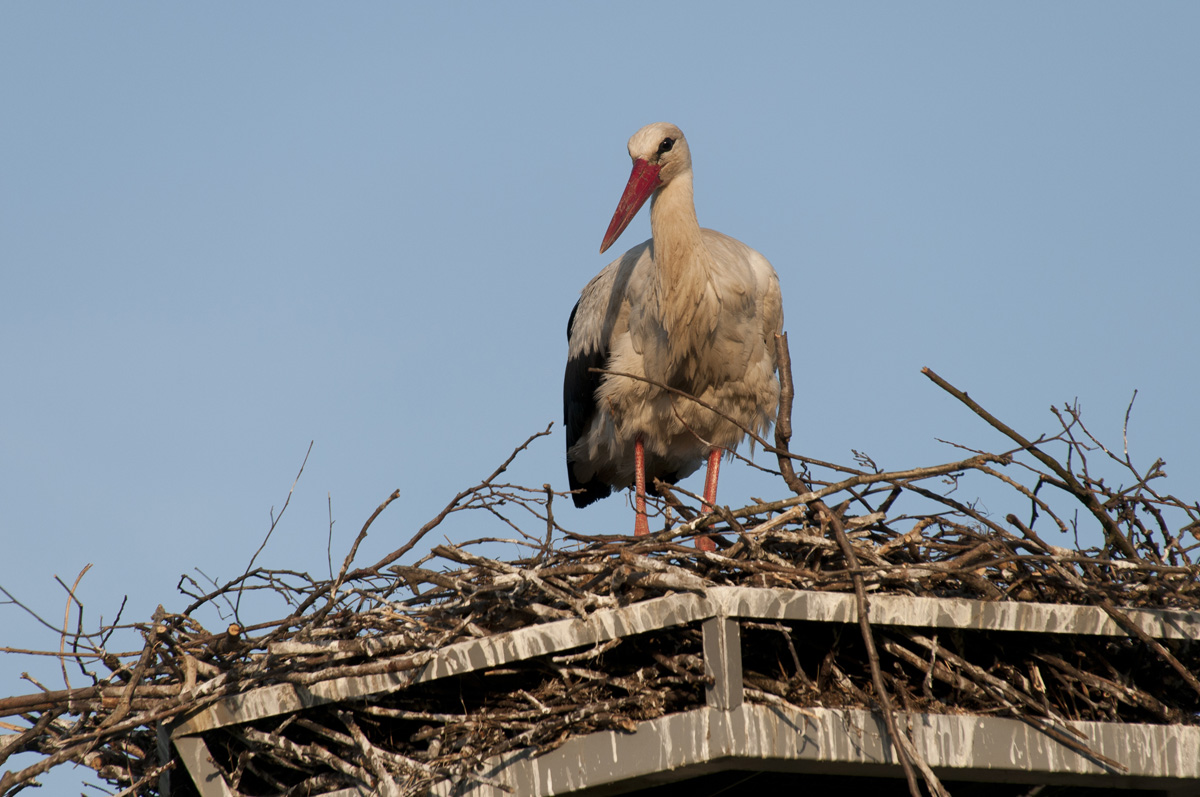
pixel 642 183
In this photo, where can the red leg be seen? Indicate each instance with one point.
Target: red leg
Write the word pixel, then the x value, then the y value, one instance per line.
pixel 641 526
pixel 710 495
pixel 710 479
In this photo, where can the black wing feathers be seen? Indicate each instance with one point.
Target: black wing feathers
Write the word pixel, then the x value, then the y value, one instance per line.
pixel 579 405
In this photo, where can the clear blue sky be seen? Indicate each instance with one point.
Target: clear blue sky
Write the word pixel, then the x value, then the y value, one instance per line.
pixel 229 230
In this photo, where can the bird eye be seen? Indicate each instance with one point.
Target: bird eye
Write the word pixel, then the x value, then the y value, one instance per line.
pixel 666 145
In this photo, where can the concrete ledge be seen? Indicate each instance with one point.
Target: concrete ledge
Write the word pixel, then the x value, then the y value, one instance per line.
pixel 683 608
pixel 729 734
pixel 845 741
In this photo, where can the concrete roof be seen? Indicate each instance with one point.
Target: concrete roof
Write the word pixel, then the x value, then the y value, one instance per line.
pixel 729 734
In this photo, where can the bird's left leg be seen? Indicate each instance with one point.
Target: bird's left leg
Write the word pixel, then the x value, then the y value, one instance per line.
pixel 641 526
pixel 710 495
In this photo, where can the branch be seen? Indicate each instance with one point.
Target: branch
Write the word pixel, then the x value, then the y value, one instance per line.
pixel 1111 532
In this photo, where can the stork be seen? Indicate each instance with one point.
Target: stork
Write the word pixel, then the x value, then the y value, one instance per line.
pixel 690 309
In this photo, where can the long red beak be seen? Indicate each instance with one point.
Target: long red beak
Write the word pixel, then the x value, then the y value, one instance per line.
pixel 642 182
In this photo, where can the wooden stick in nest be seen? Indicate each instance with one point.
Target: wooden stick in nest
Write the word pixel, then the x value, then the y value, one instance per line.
pixel 909 756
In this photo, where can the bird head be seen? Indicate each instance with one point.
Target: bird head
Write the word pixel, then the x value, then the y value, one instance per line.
pixel 659 152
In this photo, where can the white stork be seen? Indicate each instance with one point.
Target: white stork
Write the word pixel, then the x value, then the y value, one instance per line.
pixel 691 309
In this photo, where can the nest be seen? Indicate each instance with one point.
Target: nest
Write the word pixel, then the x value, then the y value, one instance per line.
pixel 854 530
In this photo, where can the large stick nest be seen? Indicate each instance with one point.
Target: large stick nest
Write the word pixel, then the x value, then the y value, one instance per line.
pixel 853 529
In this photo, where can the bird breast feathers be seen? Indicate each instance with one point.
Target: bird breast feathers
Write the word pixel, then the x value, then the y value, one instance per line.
pixel 705 331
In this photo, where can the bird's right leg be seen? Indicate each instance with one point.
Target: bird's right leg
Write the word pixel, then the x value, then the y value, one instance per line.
pixel 705 543
pixel 641 526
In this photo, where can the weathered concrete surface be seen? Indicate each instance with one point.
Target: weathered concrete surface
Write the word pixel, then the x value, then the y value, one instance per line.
pixel 1049 618
pixel 461 657
pixel 651 615
pixel 843 741
pixel 723 661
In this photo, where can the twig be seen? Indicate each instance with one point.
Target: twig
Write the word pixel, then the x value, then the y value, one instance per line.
pixel 907 754
pixel 274 522
pixel 1111 532
pixel 62 643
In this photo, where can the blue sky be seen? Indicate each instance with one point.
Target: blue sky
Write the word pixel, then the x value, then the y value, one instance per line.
pixel 227 231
